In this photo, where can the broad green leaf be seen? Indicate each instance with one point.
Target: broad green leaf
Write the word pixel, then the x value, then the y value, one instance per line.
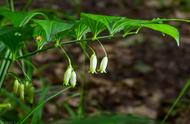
pixel 52 27
pixel 166 29
pixel 80 30
pixel 95 27
pixel 112 23
pixel 39 32
pixel 14 38
pixel 20 18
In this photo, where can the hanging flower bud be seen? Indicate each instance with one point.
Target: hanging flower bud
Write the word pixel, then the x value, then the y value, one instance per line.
pixel 103 65
pixel 21 89
pixel 73 80
pixel 31 94
pixel 27 84
pixel 67 75
pixel 16 86
pixel 5 105
pixel 93 63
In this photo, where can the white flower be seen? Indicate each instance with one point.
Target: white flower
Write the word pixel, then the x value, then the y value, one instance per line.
pixel 67 75
pixel 103 65
pixel 16 86
pixel 93 63
pixel 73 79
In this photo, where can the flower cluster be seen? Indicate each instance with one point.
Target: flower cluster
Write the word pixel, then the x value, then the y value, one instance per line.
pixel 93 64
pixel 70 77
pixel 24 89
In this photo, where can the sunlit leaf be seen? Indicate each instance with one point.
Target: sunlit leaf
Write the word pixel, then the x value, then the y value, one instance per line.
pixel 166 29
pixel 52 27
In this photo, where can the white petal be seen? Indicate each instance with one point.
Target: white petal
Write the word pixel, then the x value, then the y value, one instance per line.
pixel 93 63
pixel 67 75
pixel 73 80
pixel 103 65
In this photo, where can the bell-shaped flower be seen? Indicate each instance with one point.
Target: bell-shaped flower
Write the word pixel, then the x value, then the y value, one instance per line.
pixel 67 75
pixel 21 89
pixel 93 63
pixel 73 79
pixel 103 65
pixel 31 94
pixel 16 86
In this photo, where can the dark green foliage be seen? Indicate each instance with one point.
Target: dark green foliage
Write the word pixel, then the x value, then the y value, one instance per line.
pixel 114 119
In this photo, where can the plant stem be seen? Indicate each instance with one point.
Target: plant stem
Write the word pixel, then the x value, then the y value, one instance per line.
pixel 29 2
pixel 68 58
pixel 102 47
pixel 5 67
pixel 181 94
pixel 5 105
pixel 6 63
pixel 11 5
pixel 63 43
pixel 81 109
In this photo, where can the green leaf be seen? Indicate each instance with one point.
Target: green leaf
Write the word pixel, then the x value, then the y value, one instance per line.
pixel 2 48
pixel 20 18
pixel 95 25
pixel 113 119
pixel 112 23
pixel 80 30
pixel 166 29
pixel 14 38
pixel 52 27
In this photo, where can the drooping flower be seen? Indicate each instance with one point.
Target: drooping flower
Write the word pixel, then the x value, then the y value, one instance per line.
pixel 93 63
pixel 103 65
pixel 16 86
pixel 73 79
pixel 67 75
pixel 21 89
pixel 31 94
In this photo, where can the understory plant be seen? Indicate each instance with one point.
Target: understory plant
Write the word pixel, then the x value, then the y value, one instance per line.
pixel 19 29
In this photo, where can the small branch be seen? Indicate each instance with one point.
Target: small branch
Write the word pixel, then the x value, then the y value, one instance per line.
pixel 29 2
pixel 63 43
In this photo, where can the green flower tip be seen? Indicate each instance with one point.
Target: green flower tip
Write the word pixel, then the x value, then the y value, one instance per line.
pixel 21 89
pixel 93 63
pixel 103 65
pixel 16 86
